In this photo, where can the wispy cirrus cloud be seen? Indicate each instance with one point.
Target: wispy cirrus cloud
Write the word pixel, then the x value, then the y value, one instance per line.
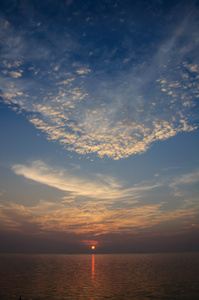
pixel 186 179
pixel 183 184
pixel 91 218
pixel 97 186
pixel 91 203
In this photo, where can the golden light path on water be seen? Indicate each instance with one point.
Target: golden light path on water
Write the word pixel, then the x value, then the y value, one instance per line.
pixel 93 266
pixel 93 269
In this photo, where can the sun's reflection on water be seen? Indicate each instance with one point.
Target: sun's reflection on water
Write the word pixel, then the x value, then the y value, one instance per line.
pixel 93 270
pixel 93 267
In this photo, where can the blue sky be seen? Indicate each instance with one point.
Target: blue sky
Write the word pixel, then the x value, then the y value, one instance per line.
pixel 99 125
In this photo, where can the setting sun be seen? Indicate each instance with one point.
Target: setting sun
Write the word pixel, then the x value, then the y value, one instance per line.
pixel 93 247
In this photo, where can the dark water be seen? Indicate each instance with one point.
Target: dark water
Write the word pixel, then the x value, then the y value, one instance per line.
pixel 92 277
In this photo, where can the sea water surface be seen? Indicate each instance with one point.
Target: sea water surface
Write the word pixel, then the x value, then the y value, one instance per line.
pixel 93 277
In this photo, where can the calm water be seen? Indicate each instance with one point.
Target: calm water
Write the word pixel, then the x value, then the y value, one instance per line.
pixel 92 277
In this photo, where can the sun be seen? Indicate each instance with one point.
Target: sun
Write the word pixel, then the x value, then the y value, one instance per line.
pixel 93 247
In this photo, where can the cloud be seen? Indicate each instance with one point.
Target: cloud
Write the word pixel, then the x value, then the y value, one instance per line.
pixel 15 74
pixel 98 204
pixel 92 218
pixel 96 186
pixel 103 108
pixel 83 71
pixel 186 179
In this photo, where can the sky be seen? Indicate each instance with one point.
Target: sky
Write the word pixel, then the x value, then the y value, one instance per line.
pixel 99 126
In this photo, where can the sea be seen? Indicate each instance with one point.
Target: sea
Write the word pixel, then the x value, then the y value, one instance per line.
pixel 99 276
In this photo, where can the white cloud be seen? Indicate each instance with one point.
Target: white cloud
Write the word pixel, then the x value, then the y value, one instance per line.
pixel 186 179
pixel 83 71
pixel 62 179
pixel 114 115
pixel 96 186
pixel 15 74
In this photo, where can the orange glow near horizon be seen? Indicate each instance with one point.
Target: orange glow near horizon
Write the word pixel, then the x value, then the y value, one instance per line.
pixel 91 244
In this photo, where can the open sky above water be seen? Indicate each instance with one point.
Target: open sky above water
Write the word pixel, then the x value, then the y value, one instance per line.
pixel 99 126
